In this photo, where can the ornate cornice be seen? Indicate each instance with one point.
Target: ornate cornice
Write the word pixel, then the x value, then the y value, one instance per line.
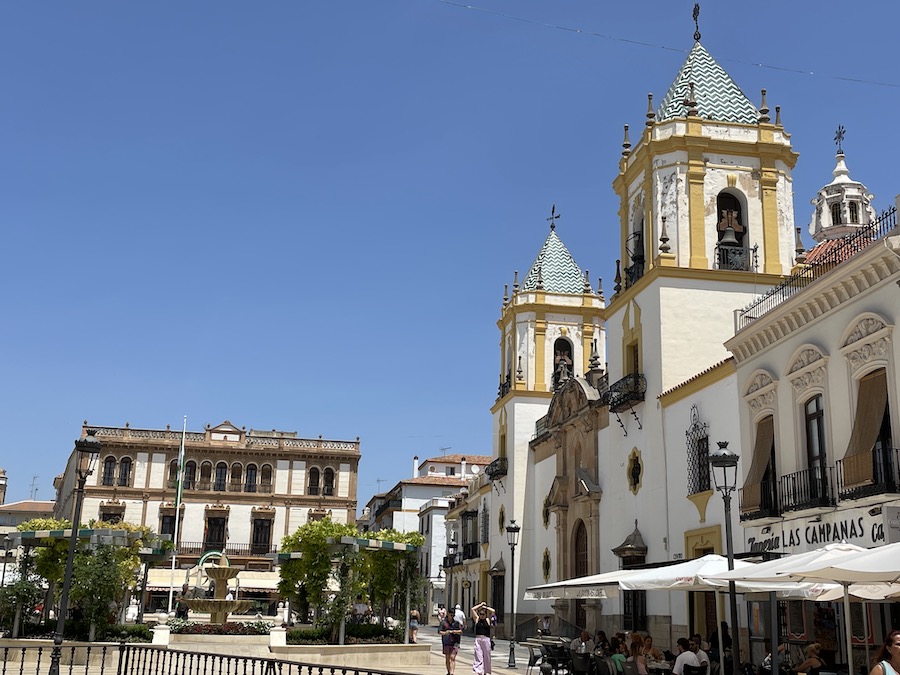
pixel 869 268
pixel 807 370
pixel 868 342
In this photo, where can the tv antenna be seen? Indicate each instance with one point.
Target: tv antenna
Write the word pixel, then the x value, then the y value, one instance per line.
pixel 34 488
pixel 444 450
pixel 379 481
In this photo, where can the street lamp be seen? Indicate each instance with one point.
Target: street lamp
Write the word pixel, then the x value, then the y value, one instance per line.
pixel 451 562
pixel 512 536
pixel 724 469
pixel 86 451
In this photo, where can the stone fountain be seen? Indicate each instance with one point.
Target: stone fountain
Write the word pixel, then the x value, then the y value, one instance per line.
pixel 218 607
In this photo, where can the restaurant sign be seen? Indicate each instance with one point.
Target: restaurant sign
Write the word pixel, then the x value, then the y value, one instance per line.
pixel 863 527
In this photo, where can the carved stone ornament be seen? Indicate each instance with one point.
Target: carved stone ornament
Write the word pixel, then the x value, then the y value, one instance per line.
pixel 869 341
pixel 808 370
pixel 760 392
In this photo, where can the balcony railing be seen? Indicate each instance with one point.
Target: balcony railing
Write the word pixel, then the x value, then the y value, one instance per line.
pixel 736 258
pixel 389 504
pixel 626 392
pixel 871 473
pixel 471 550
pixel 759 501
pixel 453 560
pixel 806 489
pixel 312 490
pixel 540 427
pixel 497 469
pixel 841 250
pixel 199 548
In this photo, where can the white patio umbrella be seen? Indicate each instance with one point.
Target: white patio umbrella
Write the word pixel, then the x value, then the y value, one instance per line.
pixel 594 586
pixel 871 566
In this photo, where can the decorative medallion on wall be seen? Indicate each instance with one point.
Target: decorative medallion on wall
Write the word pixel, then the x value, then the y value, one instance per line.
pixel 635 471
pixel 545 512
pixel 545 565
pixel 501 520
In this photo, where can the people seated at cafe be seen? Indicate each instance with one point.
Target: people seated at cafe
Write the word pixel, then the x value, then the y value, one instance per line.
pixel 582 644
pixel 702 656
pixel 636 656
pixel 685 657
pixel 601 642
pixel 813 662
pixel 544 626
pixel 650 652
pixel 618 652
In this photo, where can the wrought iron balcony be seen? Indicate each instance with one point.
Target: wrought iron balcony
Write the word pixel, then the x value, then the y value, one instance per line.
pixel 806 489
pixel 759 501
pixel 389 504
pixel 871 473
pixel 471 550
pixel 505 386
pixel 497 469
pixel 452 560
pixel 736 258
pixel 634 271
pixel 626 392
pixel 540 427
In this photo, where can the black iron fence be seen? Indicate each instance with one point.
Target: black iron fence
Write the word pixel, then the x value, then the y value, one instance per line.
pixel 132 659
pixel 838 251
pixel 869 473
pixel 807 489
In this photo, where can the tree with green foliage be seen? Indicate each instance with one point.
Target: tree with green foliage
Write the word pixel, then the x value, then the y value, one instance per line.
pixel 101 575
pixel 331 576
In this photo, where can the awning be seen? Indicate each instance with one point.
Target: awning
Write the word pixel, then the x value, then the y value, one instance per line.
pixel 158 579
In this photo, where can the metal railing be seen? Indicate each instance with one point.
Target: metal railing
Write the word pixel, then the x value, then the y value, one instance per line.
pixel 199 548
pixel 871 473
pixel 840 250
pixel 471 550
pixel 389 504
pixel 764 497
pixel 541 426
pixel 135 659
pixel 806 489
pixel 625 392
pixel 737 258
pixel 497 468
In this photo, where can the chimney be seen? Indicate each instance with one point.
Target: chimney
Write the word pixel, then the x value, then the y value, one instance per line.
pixel 462 467
pixel 415 466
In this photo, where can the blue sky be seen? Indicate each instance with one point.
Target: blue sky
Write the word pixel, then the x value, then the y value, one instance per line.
pixel 300 215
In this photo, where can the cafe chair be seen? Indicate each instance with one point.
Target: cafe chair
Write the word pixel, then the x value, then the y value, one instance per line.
pixel 693 670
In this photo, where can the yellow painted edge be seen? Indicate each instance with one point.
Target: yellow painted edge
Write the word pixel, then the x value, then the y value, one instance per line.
pixel 699 383
pixel 547 395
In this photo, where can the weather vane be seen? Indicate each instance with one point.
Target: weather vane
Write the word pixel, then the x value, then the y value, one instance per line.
pixel 696 21
pixel 839 138
pixel 553 216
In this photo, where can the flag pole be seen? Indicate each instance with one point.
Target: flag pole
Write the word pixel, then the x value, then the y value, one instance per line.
pixel 179 486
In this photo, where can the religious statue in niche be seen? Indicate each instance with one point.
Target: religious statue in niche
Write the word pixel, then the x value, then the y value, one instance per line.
pixel 635 471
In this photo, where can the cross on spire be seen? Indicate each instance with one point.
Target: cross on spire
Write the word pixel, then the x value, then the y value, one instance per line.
pixel 553 216
pixel 696 22
pixel 839 138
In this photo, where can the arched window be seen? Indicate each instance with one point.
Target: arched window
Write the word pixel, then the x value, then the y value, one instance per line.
pixel 250 478
pixel 580 550
pixel 109 471
pixel 221 477
pixel 328 482
pixel 190 475
pixel 853 209
pixel 836 214
pixel 562 362
pixel 814 414
pixel 265 478
pixel 730 231
pixel 125 472
pixel 173 473
pixel 237 473
pixel 313 488
pixel 205 476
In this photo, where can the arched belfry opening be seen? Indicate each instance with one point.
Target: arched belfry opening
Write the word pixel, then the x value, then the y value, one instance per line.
pixel 562 362
pixel 732 252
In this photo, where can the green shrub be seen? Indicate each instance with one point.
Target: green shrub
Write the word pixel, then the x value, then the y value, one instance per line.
pixel 129 633
pixel 180 626
pixel 308 636
pixel 372 633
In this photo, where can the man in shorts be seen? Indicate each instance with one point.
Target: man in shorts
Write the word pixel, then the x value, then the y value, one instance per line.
pixel 451 635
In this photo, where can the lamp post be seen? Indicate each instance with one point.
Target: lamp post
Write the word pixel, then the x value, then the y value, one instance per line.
pixel 512 537
pixel 724 469
pixel 5 559
pixel 86 451
pixel 451 562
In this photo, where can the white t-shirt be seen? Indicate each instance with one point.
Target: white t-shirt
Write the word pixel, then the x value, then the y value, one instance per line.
pixel 685 658
pixel 703 658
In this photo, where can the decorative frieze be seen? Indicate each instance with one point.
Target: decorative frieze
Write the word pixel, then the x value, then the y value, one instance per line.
pixel 868 343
